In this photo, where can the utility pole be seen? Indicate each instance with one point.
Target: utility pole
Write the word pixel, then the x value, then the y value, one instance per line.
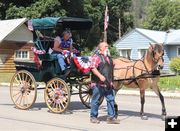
pixel 106 22
pixel 119 28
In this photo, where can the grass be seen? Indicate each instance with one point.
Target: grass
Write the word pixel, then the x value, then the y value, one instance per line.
pixel 165 83
pixel 170 83
pixel 5 77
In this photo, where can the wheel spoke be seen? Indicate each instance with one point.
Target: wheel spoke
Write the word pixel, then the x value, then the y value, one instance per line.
pixel 62 104
pixel 85 88
pixel 17 80
pixel 59 106
pixel 54 104
pixel 56 107
pixel 16 94
pixel 65 100
pixel 20 78
pixel 21 99
pixel 29 81
pixel 15 88
pixel 51 94
pixel 26 77
pixel 51 101
pixel 52 88
pixel 17 98
pixel 54 84
pixel 27 101
pixel 87 98
pixel 85 95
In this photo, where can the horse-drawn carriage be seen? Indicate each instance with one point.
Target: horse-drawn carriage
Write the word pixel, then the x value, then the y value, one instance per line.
pixel 45 68
pixel 131 73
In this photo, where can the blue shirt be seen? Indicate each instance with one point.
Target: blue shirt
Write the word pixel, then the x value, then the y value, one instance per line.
pixel 66 43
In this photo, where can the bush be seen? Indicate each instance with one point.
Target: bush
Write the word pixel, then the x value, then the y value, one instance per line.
pixel 175 65
pixel 113 51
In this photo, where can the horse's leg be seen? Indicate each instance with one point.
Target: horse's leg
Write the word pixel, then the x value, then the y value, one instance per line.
pixel 142 96
pixel 157 91
pixel 116 105
pixel 117 86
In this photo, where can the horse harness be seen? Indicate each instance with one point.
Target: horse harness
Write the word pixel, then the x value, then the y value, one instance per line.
pixel 144 72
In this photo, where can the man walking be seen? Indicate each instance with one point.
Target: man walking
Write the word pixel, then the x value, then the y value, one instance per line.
pixel 102 76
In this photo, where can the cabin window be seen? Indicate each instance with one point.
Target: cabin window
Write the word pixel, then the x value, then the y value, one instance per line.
pixel 22 55
pixel 142 52
pixel 125 52
pixel 178 51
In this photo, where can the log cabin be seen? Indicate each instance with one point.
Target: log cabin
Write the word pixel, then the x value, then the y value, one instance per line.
pixel 16 41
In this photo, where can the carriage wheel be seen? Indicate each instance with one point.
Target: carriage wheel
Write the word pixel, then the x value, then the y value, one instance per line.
pixel 57 95
pixel 23 89
pixel 85 94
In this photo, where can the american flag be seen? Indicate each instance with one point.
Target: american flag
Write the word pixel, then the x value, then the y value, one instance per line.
pixel 106 18
pixel 30 26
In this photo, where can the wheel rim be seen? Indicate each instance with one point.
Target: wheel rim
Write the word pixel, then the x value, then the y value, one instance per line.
pixel 23 89
pixel 57 95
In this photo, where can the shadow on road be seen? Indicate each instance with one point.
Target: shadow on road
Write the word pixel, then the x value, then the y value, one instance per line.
pixel 74 106
pixel 127 114
pixel 136 114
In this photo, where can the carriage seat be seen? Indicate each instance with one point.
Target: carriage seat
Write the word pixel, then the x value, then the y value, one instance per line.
pixel 47 57
pixel 42 44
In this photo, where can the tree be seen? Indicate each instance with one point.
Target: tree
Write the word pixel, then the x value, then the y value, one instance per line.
pixel 138 10
pixel 163 15
pixel 5 5
pixel 117 9
pixel 40 8
pixel 93 9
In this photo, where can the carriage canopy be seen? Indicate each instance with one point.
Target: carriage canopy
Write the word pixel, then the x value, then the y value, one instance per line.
pixel 65 22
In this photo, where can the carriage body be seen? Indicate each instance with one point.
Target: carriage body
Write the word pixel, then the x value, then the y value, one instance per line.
pixel 45 68
pixel 48 67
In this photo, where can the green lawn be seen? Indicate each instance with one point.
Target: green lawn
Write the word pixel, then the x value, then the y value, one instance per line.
pixel 165 83
pixel 170 83
pixel 5 77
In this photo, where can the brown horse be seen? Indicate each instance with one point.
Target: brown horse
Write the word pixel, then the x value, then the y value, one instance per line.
pixel 137 73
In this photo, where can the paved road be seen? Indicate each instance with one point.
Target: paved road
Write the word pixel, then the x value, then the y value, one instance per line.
pixel 77 116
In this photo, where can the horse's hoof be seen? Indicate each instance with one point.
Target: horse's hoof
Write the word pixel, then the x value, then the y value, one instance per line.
pixel 144 117
pixel 163 117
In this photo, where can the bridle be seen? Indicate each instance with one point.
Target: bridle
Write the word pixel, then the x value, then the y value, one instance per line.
pixel 156 60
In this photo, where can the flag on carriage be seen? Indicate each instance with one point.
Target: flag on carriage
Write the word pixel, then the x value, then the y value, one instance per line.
pixel 106 20
pixel 30 25
pixel 82 64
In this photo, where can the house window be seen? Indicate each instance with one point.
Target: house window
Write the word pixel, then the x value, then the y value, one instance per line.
pixel 142 52
pixel 23 55
pixel 178 51
pixel 125 52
